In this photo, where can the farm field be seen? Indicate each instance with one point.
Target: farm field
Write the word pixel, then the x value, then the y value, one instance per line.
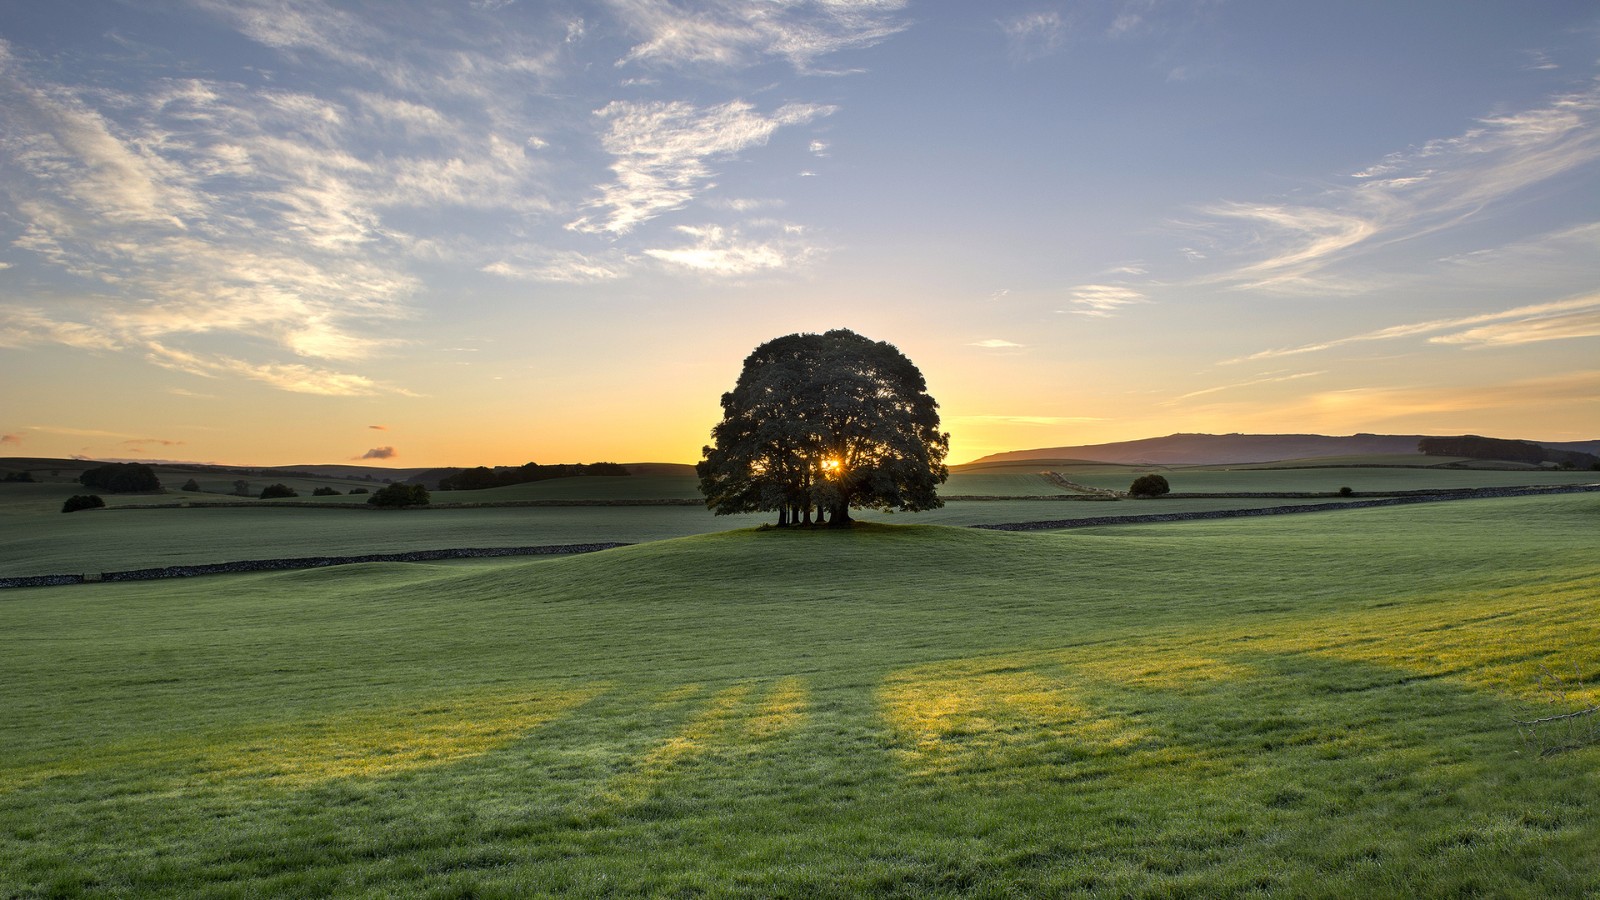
pixel 1310 706
pixel 36 539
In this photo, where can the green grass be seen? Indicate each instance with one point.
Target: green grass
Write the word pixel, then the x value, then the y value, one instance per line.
pixel 1311 706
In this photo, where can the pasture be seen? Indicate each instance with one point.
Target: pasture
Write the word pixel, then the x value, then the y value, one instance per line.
pixel 1317 705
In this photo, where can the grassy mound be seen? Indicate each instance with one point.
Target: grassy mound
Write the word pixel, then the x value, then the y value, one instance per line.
pixel 1317 707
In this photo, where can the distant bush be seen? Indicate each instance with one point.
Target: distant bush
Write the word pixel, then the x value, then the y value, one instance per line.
pixel 191 486
pixel 484 477
pixel 82 501
pixel 241 487
pixel 326 492
pixel 16 477
pixel 119 478
pixel 1149 486
pixel 397 495
pixel 275 491
pixel 358 490
pixel 1346 492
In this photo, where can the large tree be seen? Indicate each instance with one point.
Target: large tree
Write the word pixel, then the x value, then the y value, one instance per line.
pixel 825 423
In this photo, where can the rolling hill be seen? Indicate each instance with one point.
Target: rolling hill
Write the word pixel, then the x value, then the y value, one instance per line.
pixel 1225 449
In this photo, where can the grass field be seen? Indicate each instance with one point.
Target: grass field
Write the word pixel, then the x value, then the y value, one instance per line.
pixel 1311 706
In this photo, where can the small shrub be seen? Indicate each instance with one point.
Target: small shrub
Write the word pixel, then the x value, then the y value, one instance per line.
pixel 275 491
pixel 82 501
pixel 326 492
pixel 1346 492
pixel 397 495
pixel 1149 486
pixel 358 490
pixel 191 486
pixel 19 477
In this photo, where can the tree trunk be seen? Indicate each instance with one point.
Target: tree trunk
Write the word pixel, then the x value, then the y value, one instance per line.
pixel 783 516
pixel 807 513
pixel 841 516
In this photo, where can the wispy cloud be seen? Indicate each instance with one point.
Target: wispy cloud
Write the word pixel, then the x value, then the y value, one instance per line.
pixel 1033 35
pixel 1527 331
pixel 379 453
pixel 10 439
pixel 1398 402
pixel 662 154
pixel 732 33
pixel 1102 300
pixel 1268 378
pixel 719 251
pixel 1522 324
pixel 995 344
pixel 563 266
pixel 294 377
pixel 1407 194
pixel 378 427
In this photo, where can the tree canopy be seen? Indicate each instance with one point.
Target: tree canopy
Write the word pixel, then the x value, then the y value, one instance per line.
pixel 825 422
pixel 119 478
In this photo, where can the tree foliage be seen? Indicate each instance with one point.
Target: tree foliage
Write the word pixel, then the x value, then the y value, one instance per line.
pixel 398 494
pixel 277 491
pixel 325 492
pixel 1149 486
pixel 121 478
pixel 191 486
pixel 828 422
pixel 82 501
pixel 23 477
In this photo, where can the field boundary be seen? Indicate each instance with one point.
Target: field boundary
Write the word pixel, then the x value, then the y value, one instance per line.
pixel 1431 497
pixel 302 562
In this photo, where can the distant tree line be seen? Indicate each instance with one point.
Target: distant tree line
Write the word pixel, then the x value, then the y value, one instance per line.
pixel 16 477
pixel 483 477
pixel 1472 446
pixel 121 478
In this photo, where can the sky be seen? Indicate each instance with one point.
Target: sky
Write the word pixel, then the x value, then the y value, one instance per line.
pixel 502 231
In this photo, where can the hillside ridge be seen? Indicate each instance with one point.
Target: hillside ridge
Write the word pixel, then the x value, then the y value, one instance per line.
pixel 1225 449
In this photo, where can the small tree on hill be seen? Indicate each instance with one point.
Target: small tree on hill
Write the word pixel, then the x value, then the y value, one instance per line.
pixel 191 486
pixel 325 492
pixel 1149 486
pixel 275 491
pixel 82 501
pixel 398 494
pixel 241 487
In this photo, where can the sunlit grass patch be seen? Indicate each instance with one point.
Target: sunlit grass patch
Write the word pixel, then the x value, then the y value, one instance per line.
pixel 950 719
pixel 781 710
pixel 1165 668
pixel 713 727
pixel 365 744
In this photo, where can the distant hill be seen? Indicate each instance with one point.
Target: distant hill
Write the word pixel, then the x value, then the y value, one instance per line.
pixel 1224 449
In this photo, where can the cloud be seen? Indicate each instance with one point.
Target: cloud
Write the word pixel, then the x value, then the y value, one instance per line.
pixel 26 326
pixel 10 438
pixel 1563 388
pixel 1407 194
pixel 662 154
pixel 564 266
pixel 379 453
pixel 995 344
pixel 1522 324
pixel 294 377
pixel 1527 331
pixel 378 427
pixel 1268 378
pixel 1102 300
pixel 1034 35
pixel 735 34
pixel 727 252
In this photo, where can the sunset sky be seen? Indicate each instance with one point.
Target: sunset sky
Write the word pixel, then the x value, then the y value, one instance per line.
pixel 461 233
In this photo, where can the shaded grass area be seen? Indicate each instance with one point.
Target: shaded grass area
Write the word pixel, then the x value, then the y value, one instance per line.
pixel 1311 707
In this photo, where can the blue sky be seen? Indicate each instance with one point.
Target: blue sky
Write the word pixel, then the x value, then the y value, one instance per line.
pixel 488 232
